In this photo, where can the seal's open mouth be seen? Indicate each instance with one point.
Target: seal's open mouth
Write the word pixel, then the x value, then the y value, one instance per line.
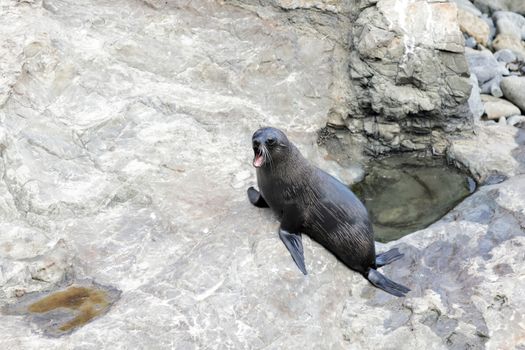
pixel 258 160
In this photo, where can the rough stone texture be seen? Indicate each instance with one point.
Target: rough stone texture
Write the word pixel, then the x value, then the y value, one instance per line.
pixel 469 281
pixel 514 90
pixel 125 158
pixel 475 103
pixel 474 26
pixel 490 6
pixel 493 153
pixel 496 108
pixel 466 5
pixel 408 69
pixel 505 41
pixel 516 120
pixel 484 65
pixel 509 23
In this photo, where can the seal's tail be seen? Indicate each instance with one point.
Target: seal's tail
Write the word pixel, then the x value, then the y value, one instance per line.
pixel 385 284
pixel 388 257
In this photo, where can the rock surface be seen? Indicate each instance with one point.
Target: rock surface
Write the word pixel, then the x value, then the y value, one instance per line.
pixel 474 26
pixel 492 154
pixel 125 145
pixel 490 6
pixel 407 66
pixel 514 90
pixel 496 108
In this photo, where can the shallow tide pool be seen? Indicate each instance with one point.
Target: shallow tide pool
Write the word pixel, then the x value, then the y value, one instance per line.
pixel 405 193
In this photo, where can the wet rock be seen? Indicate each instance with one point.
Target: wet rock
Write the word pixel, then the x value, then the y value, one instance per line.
pixel 466 272
pixel 473 26
pixel 514 90
pixel 496 108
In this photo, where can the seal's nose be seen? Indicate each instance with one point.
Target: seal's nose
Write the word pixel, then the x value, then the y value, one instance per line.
pixel 256 143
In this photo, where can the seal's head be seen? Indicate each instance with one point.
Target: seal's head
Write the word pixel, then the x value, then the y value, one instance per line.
pixel 269 146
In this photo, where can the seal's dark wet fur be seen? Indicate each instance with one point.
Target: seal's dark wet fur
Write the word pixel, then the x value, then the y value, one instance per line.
pixel 310 201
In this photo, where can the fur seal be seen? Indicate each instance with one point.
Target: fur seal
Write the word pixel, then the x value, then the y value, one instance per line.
pixel 310 201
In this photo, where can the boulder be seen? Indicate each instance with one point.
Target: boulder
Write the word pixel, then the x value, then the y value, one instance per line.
pixel 490 6
pixel 511 24
pixel 484 65
pixel 474 26
pixel 514 90
pixel 496 108
pixel 510 42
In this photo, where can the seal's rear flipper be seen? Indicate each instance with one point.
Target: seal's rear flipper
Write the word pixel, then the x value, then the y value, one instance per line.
pixel 385 284
pixel 256 199
pixel 388 257
pixel 294 243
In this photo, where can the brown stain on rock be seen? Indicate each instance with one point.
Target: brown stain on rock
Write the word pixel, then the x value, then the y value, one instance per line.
pixel 88 302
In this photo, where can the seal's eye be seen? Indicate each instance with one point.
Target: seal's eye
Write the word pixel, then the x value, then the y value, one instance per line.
pixel 271 141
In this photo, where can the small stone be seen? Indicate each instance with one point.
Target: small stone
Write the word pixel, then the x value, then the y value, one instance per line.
pixel 492 87
pixel 470 42
pixel 474 101
pixel 502 121
pixel 495 108
pixel 504 41
pixel 466 5
pixel 516 120
pixel 473 26
pixel 505 55
pixel 514 90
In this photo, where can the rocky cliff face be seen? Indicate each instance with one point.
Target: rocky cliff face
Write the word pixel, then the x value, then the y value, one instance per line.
pixel 125 155
pixel 409 75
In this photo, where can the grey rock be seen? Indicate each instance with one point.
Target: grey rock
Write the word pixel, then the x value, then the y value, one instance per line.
pixel 502 121
pixel 490 6
pixel 511 42
pixel 492 87
pixel 492 26
pixel 516 120
pixel 474 101
pixel 480 233
pixel 470 42
pixel 466 5
pixel 494 149
pixel 484 65
pixel 514 90
pixel 125 145
pixel 505 56
pixel 511 24
pixel 407 74
pixel 474 26
pixel 496 108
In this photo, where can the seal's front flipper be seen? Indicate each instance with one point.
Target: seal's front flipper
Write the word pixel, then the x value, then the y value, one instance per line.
pixel 388 257
pixel 256 199
pixel 385 284
pixel 294 243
